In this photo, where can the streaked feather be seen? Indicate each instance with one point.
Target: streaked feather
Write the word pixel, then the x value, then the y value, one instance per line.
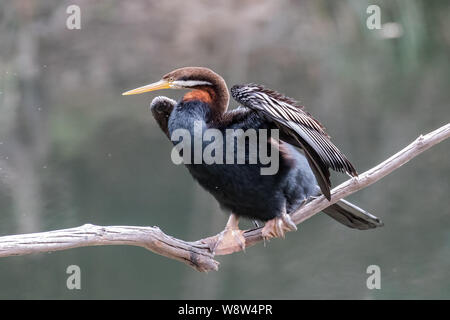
pixel 300 129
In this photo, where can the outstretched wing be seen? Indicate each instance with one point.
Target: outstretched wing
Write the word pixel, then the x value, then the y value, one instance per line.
pixel 298 128
pixel 161 108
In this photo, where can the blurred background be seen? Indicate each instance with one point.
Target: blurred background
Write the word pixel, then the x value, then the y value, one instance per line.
pixel 74 151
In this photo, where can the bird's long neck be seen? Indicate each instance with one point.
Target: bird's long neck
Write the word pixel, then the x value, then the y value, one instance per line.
pixel 216 96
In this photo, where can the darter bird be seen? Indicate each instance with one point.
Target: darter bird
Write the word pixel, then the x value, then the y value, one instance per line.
pixel 241 189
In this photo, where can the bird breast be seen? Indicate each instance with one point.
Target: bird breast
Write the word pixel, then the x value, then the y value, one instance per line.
pixel 199 95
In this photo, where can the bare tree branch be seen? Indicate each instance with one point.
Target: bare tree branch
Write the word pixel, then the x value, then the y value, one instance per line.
pixel 198 254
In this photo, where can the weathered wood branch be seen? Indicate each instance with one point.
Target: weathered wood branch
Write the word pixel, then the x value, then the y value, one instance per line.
pixel 197 254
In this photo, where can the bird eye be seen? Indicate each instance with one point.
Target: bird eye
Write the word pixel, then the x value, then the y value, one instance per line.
pixel 171 79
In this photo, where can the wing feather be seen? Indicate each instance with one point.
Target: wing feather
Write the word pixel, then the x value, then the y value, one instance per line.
pixel 299 128
pixel 161 108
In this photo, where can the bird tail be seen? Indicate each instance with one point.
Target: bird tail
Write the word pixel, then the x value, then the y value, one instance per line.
pixel 352 216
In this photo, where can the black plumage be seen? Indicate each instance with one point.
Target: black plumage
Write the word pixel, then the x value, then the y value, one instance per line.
pixel 299 128
pixel 240 188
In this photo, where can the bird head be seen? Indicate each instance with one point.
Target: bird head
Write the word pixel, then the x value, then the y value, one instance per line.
pixel 206 85
pixel 183 78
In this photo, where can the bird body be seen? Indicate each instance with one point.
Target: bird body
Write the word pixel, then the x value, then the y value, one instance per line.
pixel 241 189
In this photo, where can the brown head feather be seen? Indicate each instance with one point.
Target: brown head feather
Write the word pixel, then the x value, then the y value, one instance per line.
pixel 218 90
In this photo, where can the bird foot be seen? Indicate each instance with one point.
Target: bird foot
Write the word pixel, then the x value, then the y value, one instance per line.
pixel 228 241
pixel 277 227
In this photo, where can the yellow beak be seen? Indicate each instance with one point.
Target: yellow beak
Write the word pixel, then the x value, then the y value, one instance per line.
pixel 162 84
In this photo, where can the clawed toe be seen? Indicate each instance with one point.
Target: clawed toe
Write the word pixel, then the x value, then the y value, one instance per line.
pixel 229 241
pixel 278 226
